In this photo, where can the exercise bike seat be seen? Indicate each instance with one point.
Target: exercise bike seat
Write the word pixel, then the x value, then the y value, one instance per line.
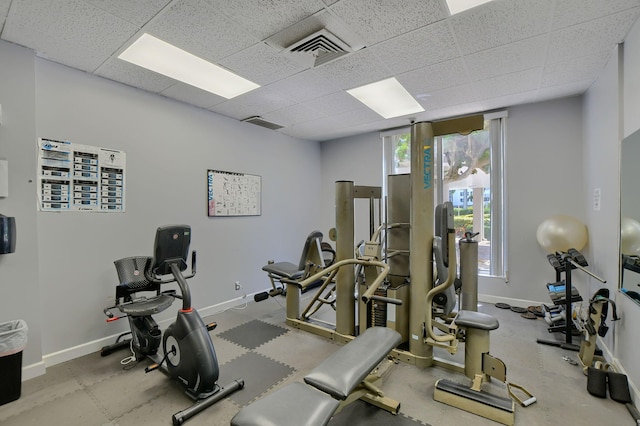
pixel 131 273
pixel 143 306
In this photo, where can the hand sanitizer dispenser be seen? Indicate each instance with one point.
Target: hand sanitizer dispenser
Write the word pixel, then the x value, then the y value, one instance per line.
pixel 7 234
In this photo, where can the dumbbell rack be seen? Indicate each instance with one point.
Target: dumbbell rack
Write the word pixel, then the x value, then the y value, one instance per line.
pixel 565 263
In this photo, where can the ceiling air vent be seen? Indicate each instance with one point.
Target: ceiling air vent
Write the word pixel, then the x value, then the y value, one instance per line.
pixel 323 46
pixel 258 121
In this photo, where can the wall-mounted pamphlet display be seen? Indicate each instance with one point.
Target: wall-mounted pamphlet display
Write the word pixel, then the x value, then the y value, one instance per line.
pixel 74 177
pixel 233 194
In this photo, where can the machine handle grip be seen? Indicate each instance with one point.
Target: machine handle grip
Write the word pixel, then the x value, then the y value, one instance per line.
pixel 385 299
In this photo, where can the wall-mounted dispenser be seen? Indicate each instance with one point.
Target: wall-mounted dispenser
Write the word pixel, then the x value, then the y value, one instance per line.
pixel 7 234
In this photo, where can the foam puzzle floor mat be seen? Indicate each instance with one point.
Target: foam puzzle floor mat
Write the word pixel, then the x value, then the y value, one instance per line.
pixel 253 334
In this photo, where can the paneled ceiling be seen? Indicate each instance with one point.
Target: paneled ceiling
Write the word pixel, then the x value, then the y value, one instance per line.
pixel 503 53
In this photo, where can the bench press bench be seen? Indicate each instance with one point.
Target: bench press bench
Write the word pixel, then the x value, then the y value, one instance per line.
pixel 342 378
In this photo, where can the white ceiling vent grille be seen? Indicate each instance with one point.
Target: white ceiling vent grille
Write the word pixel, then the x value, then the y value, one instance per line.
pixel 258 121
pixel 322 47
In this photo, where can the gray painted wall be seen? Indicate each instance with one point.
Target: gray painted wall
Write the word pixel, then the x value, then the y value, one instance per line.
pixel 358 159
pixel 64 262
pixel 544 178
pixel 611 112
pixel 20 279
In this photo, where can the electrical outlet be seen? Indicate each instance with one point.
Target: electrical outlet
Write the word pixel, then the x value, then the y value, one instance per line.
pixel 238 286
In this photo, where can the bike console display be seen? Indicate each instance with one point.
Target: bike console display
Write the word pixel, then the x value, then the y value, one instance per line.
pixel 171 246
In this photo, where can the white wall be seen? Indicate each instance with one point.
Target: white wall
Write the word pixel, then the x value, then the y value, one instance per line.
pixel 63 266
pixel 19 277
pixel 611 112
pixel 601 171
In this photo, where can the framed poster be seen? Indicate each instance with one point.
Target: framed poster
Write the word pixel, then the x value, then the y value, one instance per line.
pixel 233 194
pixel 81 178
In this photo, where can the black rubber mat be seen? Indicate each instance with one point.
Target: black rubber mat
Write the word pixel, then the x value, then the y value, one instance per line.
pixel 361 413
pixel 258 372
pixel 252 334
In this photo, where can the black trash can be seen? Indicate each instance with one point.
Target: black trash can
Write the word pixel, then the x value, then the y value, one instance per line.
pixel 13 339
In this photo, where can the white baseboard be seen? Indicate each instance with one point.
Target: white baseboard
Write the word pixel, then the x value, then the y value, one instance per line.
pixel 48 360
pixel 33 370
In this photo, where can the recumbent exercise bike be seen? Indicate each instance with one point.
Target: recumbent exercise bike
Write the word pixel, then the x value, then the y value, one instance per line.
pixel 188 351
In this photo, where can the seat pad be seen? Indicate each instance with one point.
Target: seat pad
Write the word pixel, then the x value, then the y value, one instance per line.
pixel 346 368
pixel 478 320
pixel 284 269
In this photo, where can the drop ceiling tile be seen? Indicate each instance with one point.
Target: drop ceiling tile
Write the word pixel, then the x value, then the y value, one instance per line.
pixel 325 128
pixel 594 36
pixel 578 69
pixel 501 22
pixel 70 32
pixel 263 18
pixel 193 25
pixel 257 102
pixel 233 109
pixel 509 84
pixel 564 90
pixel 354 70
pixel 450 112
pixel 356 117
pixel 378 20
pixel 518 56
pixel 419 48
pixel 192 95
pixel 449 97
pixel 4 10
pixel 509 100
pixel 435 77
pixel 305 86
pixel 571 12
pixel 334 103
pixel 137 12
pixel 261 64
pixel 133 75
pixel 291 115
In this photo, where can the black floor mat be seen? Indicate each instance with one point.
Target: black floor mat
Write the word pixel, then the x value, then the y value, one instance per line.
pixel 258 372
pixel 252 334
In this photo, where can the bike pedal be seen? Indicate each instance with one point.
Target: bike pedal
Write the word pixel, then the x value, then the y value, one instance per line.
pixel 151 368
pixel 212 326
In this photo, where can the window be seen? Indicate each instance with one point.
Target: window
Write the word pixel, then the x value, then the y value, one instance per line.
pixel 469 173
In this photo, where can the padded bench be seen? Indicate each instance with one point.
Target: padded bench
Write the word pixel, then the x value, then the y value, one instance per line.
pixel 329 383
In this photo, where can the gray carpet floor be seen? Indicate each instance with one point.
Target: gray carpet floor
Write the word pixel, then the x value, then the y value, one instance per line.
pixel 256 345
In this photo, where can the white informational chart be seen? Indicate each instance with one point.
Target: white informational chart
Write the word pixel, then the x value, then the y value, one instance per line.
pixel 74 177
pixel 233 194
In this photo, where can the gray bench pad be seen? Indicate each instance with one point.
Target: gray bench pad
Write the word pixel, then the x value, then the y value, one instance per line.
pixel 472 319
pixel 284 269
pixel 292 405
pixel 346 368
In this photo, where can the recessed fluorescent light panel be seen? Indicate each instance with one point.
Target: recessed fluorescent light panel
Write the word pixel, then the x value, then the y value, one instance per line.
pixel 156 55
pixel 387 97
pixel 457 6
